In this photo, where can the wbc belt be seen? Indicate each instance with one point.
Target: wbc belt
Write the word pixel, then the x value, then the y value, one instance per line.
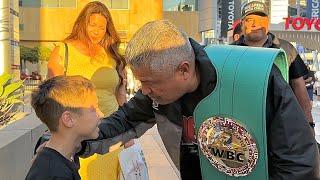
pixel 231 121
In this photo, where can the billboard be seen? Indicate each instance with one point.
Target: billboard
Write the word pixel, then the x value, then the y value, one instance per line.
pixel 230 12
pixel 313 9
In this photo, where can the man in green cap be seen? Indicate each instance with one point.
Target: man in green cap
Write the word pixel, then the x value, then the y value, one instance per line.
pixel 255 29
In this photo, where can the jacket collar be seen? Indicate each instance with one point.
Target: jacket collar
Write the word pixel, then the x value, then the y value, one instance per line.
pixel 206 70
pixel 272 41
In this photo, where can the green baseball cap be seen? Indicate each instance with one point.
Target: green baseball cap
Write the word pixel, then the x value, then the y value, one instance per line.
pixel 254 7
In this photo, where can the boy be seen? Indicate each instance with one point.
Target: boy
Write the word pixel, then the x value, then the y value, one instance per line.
pixel 69 108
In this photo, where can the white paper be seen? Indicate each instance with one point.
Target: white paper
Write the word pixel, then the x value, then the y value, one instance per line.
pixel 133 164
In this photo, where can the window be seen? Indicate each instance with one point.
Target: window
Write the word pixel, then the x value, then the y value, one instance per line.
pixel 30 3
pixel 292 11
pixel 116 4
pixel 208 37
pixel 50 3
pixel 58 3
pixel 180 5
pixel 21 27
pixel 47 3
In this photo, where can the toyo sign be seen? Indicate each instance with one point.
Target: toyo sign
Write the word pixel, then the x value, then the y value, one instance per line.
pixel 300 23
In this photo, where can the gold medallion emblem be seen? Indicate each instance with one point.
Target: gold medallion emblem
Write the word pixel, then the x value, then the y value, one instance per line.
pixel 228 146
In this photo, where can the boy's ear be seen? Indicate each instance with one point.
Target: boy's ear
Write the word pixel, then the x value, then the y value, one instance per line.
pixel 67 119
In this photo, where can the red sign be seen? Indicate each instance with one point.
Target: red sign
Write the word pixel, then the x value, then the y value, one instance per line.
pixel 300 23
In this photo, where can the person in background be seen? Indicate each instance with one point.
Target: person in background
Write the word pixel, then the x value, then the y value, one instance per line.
pixel 91 50
pixel 237 32
pixel 255 29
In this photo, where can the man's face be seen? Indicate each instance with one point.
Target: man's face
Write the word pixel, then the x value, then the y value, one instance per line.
pixel 88 120
pixel 255 27
pixel 162 87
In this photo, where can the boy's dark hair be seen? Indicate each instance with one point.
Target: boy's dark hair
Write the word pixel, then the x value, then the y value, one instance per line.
pixel 59 94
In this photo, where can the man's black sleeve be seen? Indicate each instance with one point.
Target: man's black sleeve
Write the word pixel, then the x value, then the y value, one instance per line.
pixel 297 68
pixel 292 149
pixel 131 114
pixel 130 121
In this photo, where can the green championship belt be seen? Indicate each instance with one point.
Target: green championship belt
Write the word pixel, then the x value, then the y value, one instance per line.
pixel 231 121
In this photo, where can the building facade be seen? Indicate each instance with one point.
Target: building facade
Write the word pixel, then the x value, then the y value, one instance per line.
pixel 44 20
pixel 9 37
pixel 184 14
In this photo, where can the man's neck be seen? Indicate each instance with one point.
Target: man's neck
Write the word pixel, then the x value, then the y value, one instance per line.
pixel 65 145
pixel 255 43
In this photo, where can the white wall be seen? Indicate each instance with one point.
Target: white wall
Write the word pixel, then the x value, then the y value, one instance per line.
pixel 278 10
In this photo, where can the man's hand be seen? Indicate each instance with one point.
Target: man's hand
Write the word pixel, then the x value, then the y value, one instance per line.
pixel 115 147
pixel 129 143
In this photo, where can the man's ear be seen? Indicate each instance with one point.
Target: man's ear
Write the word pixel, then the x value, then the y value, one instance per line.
pixel 185 69
pixel 67 119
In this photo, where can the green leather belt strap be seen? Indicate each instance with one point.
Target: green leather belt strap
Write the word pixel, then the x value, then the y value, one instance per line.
pixel 240 94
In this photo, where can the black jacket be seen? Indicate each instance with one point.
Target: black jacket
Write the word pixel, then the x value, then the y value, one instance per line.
pixel 292 150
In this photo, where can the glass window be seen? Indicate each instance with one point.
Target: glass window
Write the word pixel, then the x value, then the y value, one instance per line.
pixel 21 27
pixel 107 3
pixel 119 4
pixel 47 3
pixel 208 37
pixel 292 11
pixel 58 3
pixel 116 4
pixel 50 3
pixel 180 5
pixel 67 3
pixel 30 3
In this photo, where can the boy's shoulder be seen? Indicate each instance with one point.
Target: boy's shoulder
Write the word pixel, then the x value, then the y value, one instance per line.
pixel 50 164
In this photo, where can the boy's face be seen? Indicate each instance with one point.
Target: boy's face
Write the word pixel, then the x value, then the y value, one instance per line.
pixel 86 122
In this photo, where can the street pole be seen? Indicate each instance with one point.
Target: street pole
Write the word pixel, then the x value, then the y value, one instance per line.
pixel 298 8
pixel 315 60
